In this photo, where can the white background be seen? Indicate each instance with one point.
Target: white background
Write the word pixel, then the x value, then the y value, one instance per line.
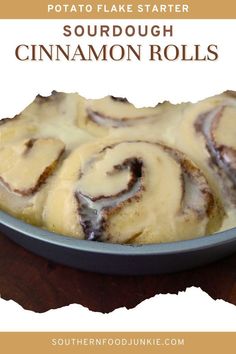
pixel 143 83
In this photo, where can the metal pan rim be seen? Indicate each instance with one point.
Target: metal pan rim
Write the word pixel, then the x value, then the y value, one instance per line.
pixel 95 247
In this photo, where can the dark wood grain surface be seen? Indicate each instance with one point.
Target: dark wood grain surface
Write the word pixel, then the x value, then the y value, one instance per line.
pixel 39 285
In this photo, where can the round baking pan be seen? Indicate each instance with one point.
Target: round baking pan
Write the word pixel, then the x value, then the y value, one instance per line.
pixel 119 259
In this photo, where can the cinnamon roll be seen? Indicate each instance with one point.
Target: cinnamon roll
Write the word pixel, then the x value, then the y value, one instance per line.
pixel 57 116
pixel 207 134
pixel 53 116
pixel 26 166
pixel 130 192
pixel 32 146
pixel 109 113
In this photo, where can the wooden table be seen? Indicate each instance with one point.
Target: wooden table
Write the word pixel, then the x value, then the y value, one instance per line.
pixel 40 285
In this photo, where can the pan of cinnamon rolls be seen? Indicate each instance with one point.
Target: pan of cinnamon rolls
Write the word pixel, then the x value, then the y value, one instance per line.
pixel 101 185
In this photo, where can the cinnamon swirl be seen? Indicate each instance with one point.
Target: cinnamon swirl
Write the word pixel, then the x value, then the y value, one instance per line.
pixel 130 192
pixel 207 133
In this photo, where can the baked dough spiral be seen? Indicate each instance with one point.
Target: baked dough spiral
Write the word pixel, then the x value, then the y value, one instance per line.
pixel 130 192
pixel 26 166
pixel 53 116
pixel 110 113
pixel 207 134
pixel 31 148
